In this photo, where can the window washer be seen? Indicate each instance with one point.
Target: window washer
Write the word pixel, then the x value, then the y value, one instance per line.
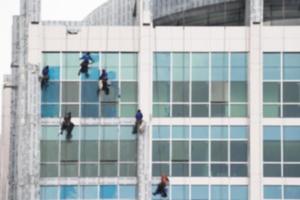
pixel 138 121
pixel 68 126
pixel 45 77
pixel 162 187
pixel 84 66
pixel 103 82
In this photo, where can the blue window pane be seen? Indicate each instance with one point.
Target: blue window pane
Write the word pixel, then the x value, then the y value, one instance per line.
pixel 272 192
pixel 238 132
pixel 292 192
pixel 50 110
pixel 51 93
pixel 180 192
pixel 161 71
pixel 179 132
pixel 89 192
pixel 161 132
pixel 89 92
pixel 110 61
pixel 200 64
pixel 108 191
pixel 109 110
pixel 239 62
pixel 219 66
pixel 49 192
pixel 199 192
pixel 51 59
pixel 291 133
pixel 272 66
pixel 111 75
pixel 93 74
pixel 89 110
pixel 89 132
pixel 219 192
pixel 219 132
pixel 239 192
pixel 126 133
pixel 109 132
pixel 68 192
pixel 127 192
pixel 199 132
pixel 271 133
pixel 291 66
pixel 181 66
pixel 54 73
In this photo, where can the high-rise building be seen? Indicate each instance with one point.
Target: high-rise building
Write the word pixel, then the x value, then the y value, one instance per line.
pixel 218 83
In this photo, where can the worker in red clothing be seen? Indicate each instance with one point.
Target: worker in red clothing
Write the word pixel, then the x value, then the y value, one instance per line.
pixel 162 186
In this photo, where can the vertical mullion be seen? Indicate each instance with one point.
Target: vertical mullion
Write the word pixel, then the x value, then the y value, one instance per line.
pixel 281 84
pixel 209 82
pixel 190 84
pixel 171 84
pixel 209 151
pixel 229 83
pixel 281 152
pixel 228 150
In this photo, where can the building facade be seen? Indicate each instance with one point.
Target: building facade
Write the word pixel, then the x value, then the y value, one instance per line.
pixel 221 104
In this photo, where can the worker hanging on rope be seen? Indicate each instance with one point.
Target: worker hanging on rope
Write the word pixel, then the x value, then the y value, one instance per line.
pixel 68 126
pixel 84 66
pixel 162 187
pixel 103 82
pixel 45 77
pixel 138 122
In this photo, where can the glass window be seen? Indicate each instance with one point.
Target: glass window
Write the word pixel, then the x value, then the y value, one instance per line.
pixel 113 95
pixel 219 92
pixel 292 192
pixel 238 132
pixel 199 192
pixel 219 192
pixel 291 66
pixel 49 170
pixel 127 192
pixel 219 170
pixel 49 192
pixel 93 74
pixel 50 110
pixel 272 192
pixel 199 91
pixel 272 111
pixel 88 192
pixel 89 110
pixel 129 91
pixel 239 192
pixel 291 170
pixel 271 92
pixel 271 66
pixel 49 150
pixel 180 169
pixel 69 169
pixel 272 147
pixel 161 91
pixel 161 151
pixel 180 110
pixel 291 92
pixel 52 59
pixel 159 169
pixel 180 151
pixel 291 110
pixel 109 110
pixel 54 73
pixel 219 151
pixel 161 110
pixel 89 170
pixel 180 192
pixel 238 170
pixel 161 71
pixel 71 65
pixel 199 151
pixel 89 92
pixel 219 132
pixel 68 192
pixel 238 151
pixel 51 93
pixel 70 92
pixel 181 66
pixel 238 91
pixel 89 150
pixel 129 63
pixel 199 170
pixel 161 132
pixel 128 149
pixel 108 169
pixel 128 110
pixel 239 63
pixel 200 65
pixel 108 191
pixel 219 66
pixel 199 132
pixel 200 110
pixel 181 91
pixel 69 151
pixel 272 170
pixel 180 132
pixel 291 144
